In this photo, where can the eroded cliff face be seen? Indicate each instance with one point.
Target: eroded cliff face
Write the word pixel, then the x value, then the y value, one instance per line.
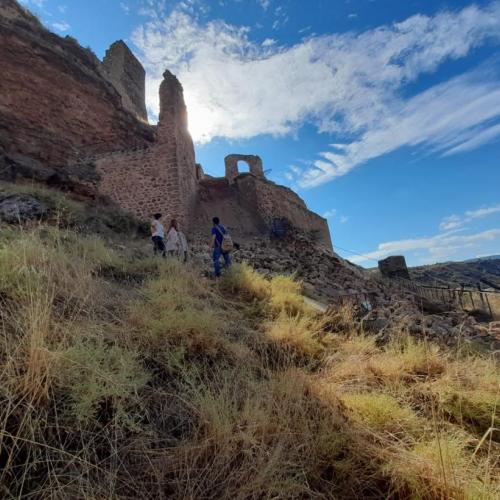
pixel 56 105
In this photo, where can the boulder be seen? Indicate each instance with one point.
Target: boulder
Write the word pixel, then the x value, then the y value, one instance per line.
pixel 20 207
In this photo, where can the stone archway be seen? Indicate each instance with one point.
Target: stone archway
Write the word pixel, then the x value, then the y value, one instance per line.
pixel 254 164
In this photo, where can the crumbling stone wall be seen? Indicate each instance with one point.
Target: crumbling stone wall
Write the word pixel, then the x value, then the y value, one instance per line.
pixel 231 165
pixel 273 201
pixel 173 130
pixel 128 76
pixel 55 104
pixel 160 178
pixel 249 206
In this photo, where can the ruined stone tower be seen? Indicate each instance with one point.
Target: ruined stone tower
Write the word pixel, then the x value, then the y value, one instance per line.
pixel 128 76
pixel 161 177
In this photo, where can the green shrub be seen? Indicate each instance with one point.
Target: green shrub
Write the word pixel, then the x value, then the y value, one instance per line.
pixel 93 374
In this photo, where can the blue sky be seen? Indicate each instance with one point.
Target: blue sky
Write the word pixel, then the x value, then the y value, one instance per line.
pixel 384 115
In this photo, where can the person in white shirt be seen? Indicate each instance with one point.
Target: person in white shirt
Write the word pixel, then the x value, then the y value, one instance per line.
pixel 172 240
pixel 158 235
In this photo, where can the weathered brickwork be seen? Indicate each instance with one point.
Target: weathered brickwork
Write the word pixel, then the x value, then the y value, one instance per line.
pixel 163 177
pixel 126 73
pixel 173 130
pixel 143 181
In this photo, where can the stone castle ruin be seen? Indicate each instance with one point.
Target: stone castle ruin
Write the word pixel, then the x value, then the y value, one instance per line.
pixel 78 124
pixel 68 118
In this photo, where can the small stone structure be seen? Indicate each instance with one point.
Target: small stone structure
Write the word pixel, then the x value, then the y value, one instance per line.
pixel 394 267
pixel 231 163
pixel 128 76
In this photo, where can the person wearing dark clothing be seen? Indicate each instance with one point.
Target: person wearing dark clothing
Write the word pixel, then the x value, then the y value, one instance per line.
pixel 218 232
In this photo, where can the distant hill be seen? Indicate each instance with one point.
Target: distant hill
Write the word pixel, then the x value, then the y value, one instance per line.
pixel 484 270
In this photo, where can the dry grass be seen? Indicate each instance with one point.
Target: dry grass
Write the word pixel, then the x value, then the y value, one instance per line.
pixel 126 377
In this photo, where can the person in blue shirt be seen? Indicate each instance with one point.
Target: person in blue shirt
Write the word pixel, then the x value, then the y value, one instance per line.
pixel 218 230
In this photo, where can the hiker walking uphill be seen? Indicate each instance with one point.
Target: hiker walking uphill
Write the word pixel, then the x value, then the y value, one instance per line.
pixel 222 245
pixel 158 235
pixel 172 241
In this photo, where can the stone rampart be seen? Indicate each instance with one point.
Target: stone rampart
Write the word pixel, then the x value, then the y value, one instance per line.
pixel 63 108
pixel 143 181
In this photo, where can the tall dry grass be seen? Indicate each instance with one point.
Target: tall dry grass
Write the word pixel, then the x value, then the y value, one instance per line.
pixel 127 377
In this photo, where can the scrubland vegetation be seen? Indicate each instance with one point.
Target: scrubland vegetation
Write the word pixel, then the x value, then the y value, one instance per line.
pixel 122 376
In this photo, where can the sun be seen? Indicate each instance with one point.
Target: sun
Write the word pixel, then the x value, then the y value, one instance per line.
pixel 201 121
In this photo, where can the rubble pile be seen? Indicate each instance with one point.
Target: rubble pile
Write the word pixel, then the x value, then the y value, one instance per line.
pixel 381 308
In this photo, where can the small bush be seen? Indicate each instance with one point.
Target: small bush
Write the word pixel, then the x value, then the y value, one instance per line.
pixel 286 296
pixel 300 334
pixel 96 376
pixel 382 413
pixel 176 312
pixel 244 280
pixel 469 393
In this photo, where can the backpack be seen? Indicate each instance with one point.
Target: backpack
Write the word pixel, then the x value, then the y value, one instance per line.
pixel 227 242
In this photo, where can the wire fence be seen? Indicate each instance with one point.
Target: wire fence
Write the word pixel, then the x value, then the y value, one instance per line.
pixel 466 299
pixel 484 302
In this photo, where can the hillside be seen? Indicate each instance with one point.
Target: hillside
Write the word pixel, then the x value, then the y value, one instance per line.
pixel 124 376
pixel 483 271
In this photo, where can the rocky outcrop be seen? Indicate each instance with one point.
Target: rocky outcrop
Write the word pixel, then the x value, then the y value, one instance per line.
pixel 20 207
pixel 80 178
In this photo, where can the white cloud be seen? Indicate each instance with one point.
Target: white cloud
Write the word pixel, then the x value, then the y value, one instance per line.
pixel 439 246
pixel 268 42
pixel 442 118
pixel 347 83
pixel 61 26
pixel 62 8
pixel 264 3
pixel 455 221
pixel 35 3
pixel 482 212
pixel 330 213
pixel 451 222
pixel 353 15
pixel 125 7
pixel 483 137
